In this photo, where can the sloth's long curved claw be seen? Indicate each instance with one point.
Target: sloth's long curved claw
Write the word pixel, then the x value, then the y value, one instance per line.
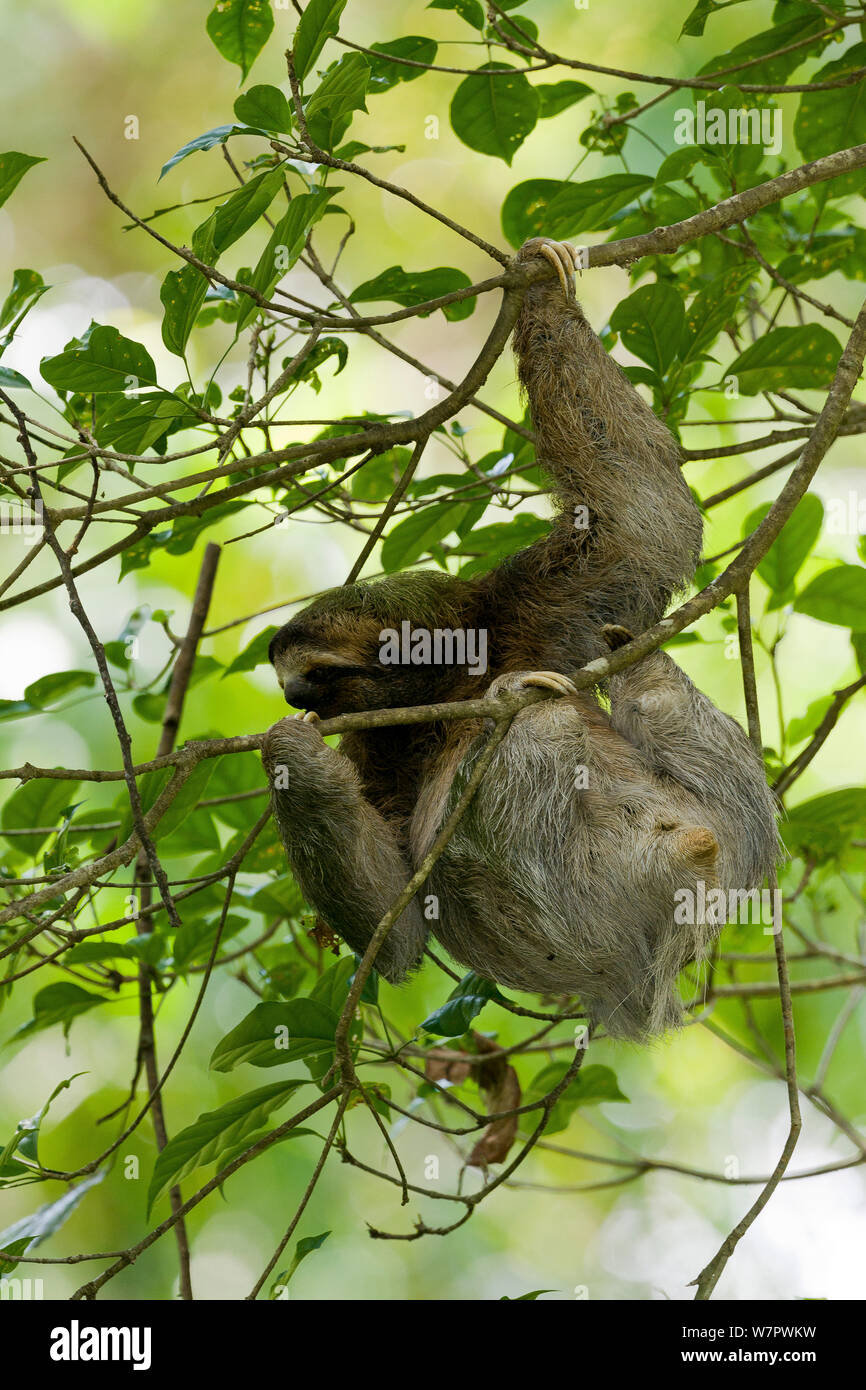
pixel 575 256
pixel 615 635
pixel 563 258
pixel 310 717
pixel 551 680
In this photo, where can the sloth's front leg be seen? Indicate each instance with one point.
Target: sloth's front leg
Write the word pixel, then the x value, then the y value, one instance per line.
pixel 342 852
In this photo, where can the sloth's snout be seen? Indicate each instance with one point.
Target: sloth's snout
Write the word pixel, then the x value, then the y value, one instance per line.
pixel 299 692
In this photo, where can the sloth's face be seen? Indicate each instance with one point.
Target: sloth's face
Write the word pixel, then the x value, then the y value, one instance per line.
pixel 331 658
pixel 329 681
pixel 336 668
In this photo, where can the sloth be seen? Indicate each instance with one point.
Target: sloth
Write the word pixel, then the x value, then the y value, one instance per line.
pixel 601 810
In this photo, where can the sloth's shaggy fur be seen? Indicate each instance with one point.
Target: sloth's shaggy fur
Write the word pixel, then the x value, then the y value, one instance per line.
pixel 561 876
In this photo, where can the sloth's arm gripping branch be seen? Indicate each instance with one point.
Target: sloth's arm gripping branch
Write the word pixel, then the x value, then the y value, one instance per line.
pixel 629 530
pixel 342 852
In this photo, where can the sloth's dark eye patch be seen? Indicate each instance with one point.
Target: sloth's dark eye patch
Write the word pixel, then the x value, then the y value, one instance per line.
pixel 326 673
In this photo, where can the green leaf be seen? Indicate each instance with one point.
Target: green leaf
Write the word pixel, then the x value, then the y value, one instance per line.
pixel 307 1246
pixel 183 291
pixel 28 1144
pixel 13 167
pixel 303 1248
pixel 101 360
pixel 42 801
pixel 237 214
pixel 384 75
pixel 787 359
pixel 58 1003
pixel 558 96
pixel 678 164
pixel 498 540
pixel 494 113
pixel 713 308
pixel 133 424
pixel 216 136
pixel 264 106
pixel 32 1230
pixel 695 21
pixel 97 952
pixel 253 655
pixel 592 1085
pixel 319 22
pixel 151 948
pixel 524 31
pixel 825 824
pixel 837 596
pixel 149 706
pixel 651 323
pixel 242 772
pixel 780 36
pixel 551 207
pixel 414 536
pixel 182 294
pixel 184 803
pixel 212 1133
pixel 191 792
pixel 834 120
pixel 27 289
pixel 14 709
pixel 194 942
pixel 50 689
pixel 10 380
pixel 378 478
pixel 793 544
pixel 840 250
pixel 406 287
pixel 332 988
pixel 285 245
pixel 275 1033
pixel 239 29
pixel 279 896
pixel 325 349
pixel 805 725
pixel 341 92
pixel 280 972
pixel 463 1004
pixel 470 10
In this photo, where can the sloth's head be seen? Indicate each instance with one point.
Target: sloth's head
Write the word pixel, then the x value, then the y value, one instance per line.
pixel 328 657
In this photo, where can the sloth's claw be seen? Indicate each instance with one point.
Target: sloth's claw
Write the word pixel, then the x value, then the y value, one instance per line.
pixel 516 681
pixel 616 636
pixel 310 717
pixel 550 680
pixel 560 254
pixel 563 257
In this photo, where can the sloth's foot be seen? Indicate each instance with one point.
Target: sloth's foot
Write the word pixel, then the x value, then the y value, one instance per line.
pixel 561 255
pixel 517 681
pixel 616 635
